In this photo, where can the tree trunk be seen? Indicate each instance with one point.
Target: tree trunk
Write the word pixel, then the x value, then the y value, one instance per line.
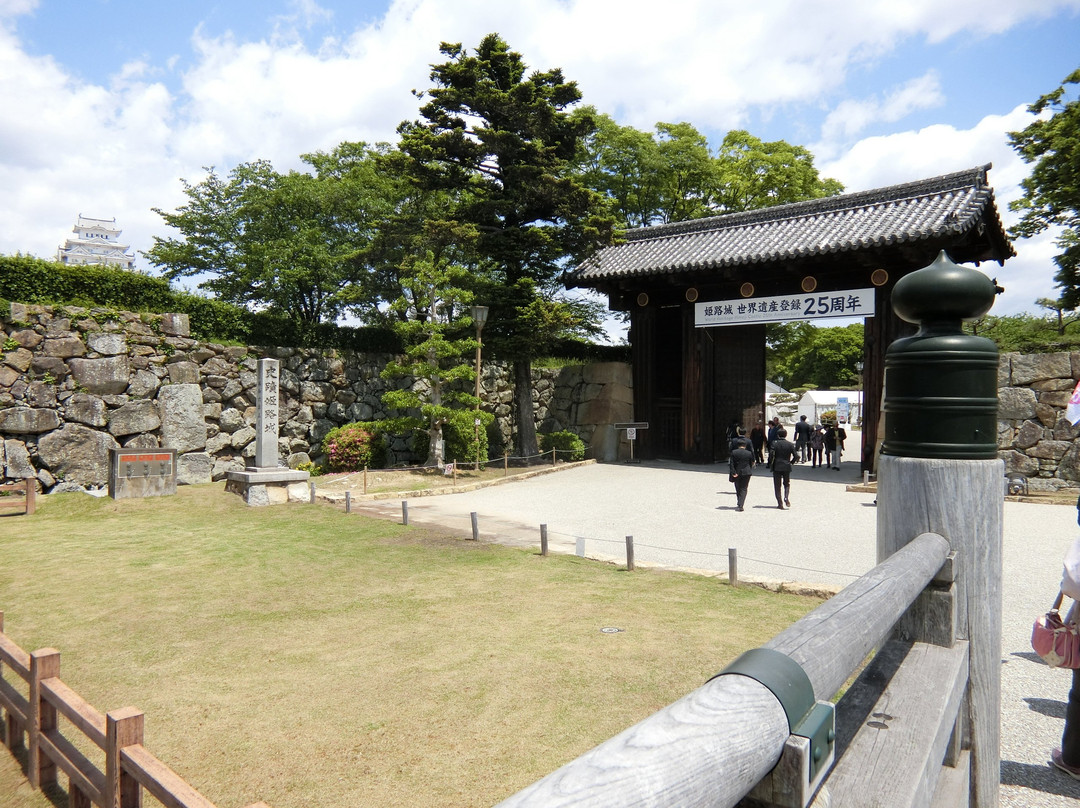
pixel 525 439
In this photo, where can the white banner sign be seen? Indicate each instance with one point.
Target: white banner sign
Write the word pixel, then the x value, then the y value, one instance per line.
pixel 746 311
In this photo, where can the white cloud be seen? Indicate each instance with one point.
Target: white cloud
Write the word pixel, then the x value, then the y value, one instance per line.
pixel 851 117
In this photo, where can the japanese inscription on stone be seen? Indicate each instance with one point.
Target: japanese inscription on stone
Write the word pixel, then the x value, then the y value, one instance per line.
pixel 266 423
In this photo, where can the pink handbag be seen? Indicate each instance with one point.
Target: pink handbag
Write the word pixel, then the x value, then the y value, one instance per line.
pixel 1058 643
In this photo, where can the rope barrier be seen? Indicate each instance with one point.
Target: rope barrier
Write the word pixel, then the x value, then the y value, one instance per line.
pixel 723 555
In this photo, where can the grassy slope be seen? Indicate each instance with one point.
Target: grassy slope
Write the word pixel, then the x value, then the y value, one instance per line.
pixel 304 657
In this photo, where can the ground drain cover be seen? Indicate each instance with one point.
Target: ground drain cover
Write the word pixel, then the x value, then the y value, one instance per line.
pixel 610 630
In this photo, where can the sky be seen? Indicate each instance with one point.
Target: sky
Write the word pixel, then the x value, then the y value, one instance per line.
pixel 106 104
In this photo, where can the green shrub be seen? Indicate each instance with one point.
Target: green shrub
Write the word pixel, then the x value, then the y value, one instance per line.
pixel 355 446
pixel 567 445
pixel 459 439
pixel 310 467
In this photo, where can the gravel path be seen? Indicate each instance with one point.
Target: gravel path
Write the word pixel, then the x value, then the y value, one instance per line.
pixel 684 516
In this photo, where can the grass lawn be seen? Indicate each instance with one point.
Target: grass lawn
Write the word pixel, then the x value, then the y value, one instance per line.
pixel 305 657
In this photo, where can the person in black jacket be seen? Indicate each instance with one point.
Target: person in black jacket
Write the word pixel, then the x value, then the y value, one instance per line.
pixel 742 469
pixel 802 439
pixel 781 457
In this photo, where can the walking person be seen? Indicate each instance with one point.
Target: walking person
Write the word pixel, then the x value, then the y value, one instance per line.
pixel 781 458
pixel 742 469
pixel 817 446
pixel 832 456
pixel 802 438
pixel 757 438
pixel 1067 757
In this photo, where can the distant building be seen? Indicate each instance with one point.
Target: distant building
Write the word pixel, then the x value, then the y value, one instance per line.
pixel 816 402
pixel 96 241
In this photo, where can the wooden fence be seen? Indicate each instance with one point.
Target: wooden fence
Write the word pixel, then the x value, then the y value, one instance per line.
pixel 898 737
pixel 129 767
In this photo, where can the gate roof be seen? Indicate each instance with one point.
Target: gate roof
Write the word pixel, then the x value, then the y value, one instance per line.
pixel 955 212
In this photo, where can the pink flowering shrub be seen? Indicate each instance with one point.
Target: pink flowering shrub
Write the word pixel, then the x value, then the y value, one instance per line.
pixel 353 447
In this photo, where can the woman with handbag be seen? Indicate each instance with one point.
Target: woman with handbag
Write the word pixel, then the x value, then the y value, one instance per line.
pixel 1067 758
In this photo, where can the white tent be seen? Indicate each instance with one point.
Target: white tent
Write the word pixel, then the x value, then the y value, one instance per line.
pixel 816 402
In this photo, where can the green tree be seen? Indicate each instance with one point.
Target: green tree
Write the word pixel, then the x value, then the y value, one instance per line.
pixel 433 318
pixel 755 174
pixel 1059 308
pixel 807 356
pixel 293 243
pixel 500 143
pixel 672 175
pixel 1052 190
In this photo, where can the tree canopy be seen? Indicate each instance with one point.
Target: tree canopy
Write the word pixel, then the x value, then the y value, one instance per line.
pixel 499 141
pixel 673 175
pixel 294 243
pixel 1052 190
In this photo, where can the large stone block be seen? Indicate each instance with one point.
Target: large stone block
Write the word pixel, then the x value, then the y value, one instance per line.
pixel 134 417
pixel 176 325
pixel 183 373
pixel 82 408
pixel 1028 368
pixel 194 468
pixel 144 384
pixel 64 347
pixel 77 454
pixel 107 343
pixel 28 420
pixel 107 376
pixel 17 465
pixel 1016 403
pixel 182 424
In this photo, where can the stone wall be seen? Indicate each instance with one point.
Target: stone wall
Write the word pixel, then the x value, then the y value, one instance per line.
pixel 75 382
pixel 1034 436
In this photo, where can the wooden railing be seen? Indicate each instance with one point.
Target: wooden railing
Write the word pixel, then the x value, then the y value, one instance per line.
pixel 129 767
pixel 895 741
pixel 19 495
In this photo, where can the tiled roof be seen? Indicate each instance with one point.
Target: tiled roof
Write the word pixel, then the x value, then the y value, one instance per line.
pixel 941 207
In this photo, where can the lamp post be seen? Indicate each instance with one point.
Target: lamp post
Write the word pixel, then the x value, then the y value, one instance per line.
pixel 858 369
pixel 479 314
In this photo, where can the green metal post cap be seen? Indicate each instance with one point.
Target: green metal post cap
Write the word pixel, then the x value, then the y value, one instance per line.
pixel 942 291
pixel 941 384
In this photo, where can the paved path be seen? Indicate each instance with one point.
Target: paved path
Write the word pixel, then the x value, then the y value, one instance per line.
pixel 684 516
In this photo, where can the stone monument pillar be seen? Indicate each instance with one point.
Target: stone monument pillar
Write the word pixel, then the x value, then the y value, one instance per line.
pixel 265 483
pixel 266 423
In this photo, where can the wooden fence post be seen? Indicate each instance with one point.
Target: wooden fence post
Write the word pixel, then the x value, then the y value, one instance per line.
pixel 733 566
pixel 44 664
pixel 543 542
pixel 12 731
pixel 506 463
pixel 475 526
pixel 630 553
pixel 404 511
pixel 311 496
pixel 939 473
pixel 365 479
pixel 348 502
pixel 123 727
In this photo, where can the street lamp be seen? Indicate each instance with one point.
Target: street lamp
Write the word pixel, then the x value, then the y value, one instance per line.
pixel 858 369
pixel 479 314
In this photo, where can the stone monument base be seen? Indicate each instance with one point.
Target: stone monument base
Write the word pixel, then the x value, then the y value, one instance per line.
pixel 269 486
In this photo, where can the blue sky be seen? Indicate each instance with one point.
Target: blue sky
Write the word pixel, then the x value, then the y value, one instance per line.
pixel 108 103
